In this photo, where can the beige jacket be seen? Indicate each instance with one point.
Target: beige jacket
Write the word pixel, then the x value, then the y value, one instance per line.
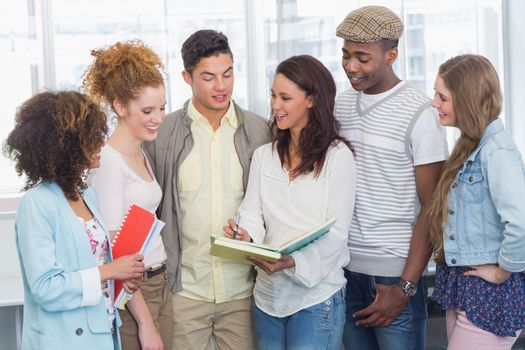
pixel 173 144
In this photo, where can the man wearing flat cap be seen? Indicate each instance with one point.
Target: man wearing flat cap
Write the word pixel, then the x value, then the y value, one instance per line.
pixel 399 149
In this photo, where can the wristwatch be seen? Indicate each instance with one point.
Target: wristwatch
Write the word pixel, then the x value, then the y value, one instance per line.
pixel 408 287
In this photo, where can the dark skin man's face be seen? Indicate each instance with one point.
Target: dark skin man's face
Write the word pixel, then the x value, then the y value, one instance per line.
pixel 368 66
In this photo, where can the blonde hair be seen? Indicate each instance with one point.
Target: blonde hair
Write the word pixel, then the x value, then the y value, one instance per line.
pixel 476 95
pixel 120 71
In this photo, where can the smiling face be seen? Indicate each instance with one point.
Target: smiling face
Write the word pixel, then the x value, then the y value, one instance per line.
pixel 289 104
pixel 444 103
pixel 143 115
pixel 211 84
pixel 368 66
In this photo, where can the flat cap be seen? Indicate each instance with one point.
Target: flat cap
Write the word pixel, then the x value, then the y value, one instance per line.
pixel 369 24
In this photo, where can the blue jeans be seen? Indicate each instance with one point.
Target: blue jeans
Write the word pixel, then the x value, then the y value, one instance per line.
pixel 406 332
pixel 318 327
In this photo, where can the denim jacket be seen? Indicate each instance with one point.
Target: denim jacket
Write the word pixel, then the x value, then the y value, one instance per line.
pixel 486 206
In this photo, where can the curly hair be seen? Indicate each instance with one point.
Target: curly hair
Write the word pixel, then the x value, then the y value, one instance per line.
pixel 476 93
pixel 120 71
pixel 54 138
pixel 201 44
pixel 322 129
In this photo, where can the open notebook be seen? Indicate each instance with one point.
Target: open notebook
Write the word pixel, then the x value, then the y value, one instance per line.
pixel 138 230
pixel 239 250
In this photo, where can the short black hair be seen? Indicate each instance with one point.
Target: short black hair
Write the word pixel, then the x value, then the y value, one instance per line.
pixel 388 44
pixel 201 44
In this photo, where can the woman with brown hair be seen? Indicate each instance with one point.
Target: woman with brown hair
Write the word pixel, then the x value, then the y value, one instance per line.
pixel 62 244
pixel 126 78
pixel 304 178
pixel 477 220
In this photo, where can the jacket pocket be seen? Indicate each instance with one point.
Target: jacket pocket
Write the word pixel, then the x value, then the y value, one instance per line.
pixel 38 339
pixel 97 319
pixel 471 186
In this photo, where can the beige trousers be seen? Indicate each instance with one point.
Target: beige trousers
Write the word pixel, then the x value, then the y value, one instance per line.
pixel 196 322
pixel 158 299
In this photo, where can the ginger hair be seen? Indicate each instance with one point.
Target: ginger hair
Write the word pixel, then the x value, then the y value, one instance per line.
pixel 120 71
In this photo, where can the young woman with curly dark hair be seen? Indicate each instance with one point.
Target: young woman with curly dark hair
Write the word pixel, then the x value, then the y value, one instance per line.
pixel 304 178
pixel 126 77
pixel 61 241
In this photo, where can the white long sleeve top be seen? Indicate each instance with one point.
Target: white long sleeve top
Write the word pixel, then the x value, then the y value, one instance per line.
pixel 275 209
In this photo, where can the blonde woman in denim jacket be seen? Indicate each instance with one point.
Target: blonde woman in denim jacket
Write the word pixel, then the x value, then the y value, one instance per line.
pixel 477 220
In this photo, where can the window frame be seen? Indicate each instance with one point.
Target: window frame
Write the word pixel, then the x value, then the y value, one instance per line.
pixel 513 55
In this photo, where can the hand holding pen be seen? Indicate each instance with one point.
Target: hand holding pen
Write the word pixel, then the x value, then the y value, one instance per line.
pixel 234 231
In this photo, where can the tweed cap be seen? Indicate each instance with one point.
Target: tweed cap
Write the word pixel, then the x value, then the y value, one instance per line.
pixel 369 24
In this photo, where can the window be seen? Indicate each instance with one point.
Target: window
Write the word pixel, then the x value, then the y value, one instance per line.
pixel 162 25
pixel 48 43
pixel 434 32
pixel 20 69
pixel 69 31
pixel 294 27
pixel 183 18
pixel 80 27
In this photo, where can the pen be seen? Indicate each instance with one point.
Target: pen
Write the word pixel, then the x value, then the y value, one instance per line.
pixel 236 229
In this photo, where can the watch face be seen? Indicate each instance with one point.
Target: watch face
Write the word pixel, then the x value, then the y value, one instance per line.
pixel 408 287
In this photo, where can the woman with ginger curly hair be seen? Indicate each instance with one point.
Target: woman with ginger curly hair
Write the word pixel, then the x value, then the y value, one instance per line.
pixel 126 77
pixel 61 241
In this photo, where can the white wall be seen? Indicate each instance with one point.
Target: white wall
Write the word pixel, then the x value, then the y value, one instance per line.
pixel 9 268
pixel 513 32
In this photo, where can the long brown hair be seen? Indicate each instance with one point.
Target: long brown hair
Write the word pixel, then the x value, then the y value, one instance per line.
pixel 476 95
pixel 322 129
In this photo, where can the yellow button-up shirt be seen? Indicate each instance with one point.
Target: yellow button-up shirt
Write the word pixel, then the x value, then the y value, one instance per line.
pixel 210 191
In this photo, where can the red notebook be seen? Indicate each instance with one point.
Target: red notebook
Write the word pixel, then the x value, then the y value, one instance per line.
pixel 137 231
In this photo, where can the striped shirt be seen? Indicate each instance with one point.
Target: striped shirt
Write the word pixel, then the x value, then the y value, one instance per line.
pixel 390 137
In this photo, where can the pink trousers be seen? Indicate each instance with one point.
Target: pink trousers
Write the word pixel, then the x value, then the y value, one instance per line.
pixel 462 334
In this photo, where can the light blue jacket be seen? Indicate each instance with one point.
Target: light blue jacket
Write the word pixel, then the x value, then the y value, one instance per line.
pixel 53 247
pixel 486 217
